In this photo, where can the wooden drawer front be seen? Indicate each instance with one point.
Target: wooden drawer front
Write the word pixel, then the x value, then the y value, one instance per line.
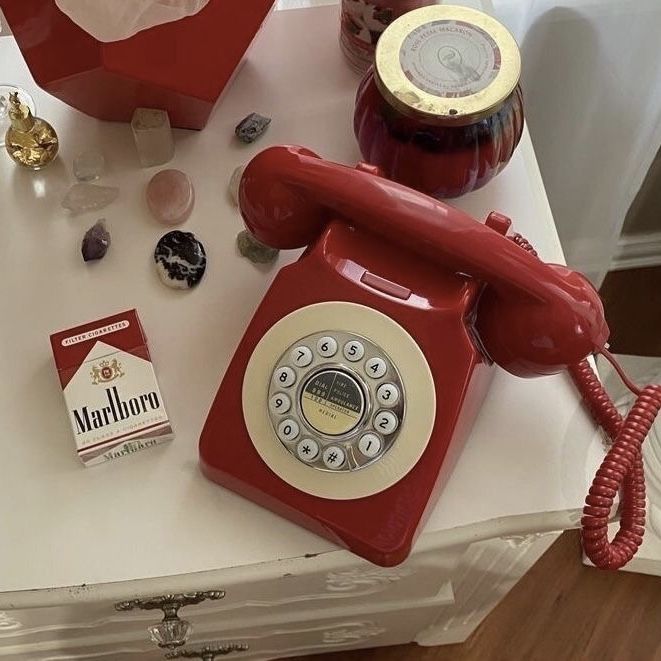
pixel 296 586
pixel 322 631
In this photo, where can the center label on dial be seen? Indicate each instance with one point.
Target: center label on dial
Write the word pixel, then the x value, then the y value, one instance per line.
pixel 332 402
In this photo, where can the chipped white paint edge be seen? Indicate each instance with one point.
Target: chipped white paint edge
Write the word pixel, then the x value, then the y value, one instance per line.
pixel 326 562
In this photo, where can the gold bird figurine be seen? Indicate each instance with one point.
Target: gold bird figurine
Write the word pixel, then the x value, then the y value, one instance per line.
pixel 30 141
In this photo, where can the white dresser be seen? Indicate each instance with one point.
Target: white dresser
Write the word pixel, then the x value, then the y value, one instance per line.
pixel 75 541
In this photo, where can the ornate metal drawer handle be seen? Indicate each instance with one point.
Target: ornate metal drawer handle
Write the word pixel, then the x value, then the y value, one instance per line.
pixel 208 652
pixel 172 631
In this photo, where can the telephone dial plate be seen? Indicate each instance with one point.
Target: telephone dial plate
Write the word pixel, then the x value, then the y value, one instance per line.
pixel 301 374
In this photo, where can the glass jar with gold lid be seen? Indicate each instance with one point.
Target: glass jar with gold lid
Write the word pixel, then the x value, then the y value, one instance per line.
pixel 441 111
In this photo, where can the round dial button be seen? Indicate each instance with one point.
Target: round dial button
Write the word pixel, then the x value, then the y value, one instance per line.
pixel 288 430
pixel 376 368
pixel 326 347
pixel 354 350
pixel 369 445
pixel 332 402
pixel 333 457
pixel 279 403
pixel 307 450
pixel 387 394
pixel 385 422
pixel 301 356
pixel 284 377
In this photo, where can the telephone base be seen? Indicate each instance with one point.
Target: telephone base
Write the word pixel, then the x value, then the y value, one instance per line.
pixel 376 510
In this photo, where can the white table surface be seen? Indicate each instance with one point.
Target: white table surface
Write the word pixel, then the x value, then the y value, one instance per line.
pixel 526 466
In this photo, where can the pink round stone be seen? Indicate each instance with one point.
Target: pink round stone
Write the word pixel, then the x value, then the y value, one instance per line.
pixel 170 196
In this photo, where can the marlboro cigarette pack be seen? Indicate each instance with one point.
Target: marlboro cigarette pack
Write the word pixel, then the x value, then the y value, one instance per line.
pixel 113 400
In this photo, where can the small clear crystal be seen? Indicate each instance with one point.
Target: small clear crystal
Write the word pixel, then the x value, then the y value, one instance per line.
pixel 255 250
pixel 89 165
pixel 96 241
pixel 171 633
pixel 235 182
pixel 88 197
pixel 153 136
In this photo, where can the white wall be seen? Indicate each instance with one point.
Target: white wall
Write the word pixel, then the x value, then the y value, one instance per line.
pixel 592 86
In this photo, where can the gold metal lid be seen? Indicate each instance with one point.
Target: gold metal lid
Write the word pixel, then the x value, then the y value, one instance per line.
pixel 446 64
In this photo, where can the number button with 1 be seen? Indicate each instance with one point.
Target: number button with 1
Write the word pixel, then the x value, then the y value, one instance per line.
pixel 369 445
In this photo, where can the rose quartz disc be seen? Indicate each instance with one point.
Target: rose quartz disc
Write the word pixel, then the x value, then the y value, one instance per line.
pixel 170 196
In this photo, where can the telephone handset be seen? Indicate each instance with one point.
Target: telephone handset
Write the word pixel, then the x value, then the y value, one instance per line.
pixel 363 368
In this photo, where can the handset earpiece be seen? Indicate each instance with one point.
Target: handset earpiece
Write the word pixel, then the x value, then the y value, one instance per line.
pixel 279 213
pixel 530 338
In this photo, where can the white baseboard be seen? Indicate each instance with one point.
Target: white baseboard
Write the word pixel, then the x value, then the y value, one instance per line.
pixel 637 250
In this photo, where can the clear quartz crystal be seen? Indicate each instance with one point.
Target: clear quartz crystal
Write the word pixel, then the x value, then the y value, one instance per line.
pixel 171 632
pixel 153 136
pixel 89 165
pixel 235 182
pixel 88 197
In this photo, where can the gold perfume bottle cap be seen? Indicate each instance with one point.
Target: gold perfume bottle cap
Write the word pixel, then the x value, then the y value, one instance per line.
pixel 446 64
pixel 19 114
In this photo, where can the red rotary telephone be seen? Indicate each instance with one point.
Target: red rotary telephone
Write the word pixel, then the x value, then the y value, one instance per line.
pixel 364 366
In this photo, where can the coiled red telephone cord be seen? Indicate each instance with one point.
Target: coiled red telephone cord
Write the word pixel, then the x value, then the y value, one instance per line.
pixel 621 469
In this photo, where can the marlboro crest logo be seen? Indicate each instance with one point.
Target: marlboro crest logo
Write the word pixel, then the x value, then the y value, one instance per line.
pixel 106 371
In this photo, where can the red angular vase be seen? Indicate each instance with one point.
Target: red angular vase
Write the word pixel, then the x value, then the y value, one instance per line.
pixel 181 67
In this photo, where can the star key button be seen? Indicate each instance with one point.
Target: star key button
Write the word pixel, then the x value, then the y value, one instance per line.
pixel 307 450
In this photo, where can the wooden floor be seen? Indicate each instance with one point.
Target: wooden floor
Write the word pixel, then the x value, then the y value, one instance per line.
pixel 560 611
pixel 633 310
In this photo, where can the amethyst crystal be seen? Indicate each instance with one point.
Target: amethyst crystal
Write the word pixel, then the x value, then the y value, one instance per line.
pixel 96 241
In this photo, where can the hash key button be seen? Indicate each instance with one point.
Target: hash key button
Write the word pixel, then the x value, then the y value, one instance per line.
pixel 333 457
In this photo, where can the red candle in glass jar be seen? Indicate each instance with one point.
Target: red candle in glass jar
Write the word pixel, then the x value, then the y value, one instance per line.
pixel 363 22
pixel 441 111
